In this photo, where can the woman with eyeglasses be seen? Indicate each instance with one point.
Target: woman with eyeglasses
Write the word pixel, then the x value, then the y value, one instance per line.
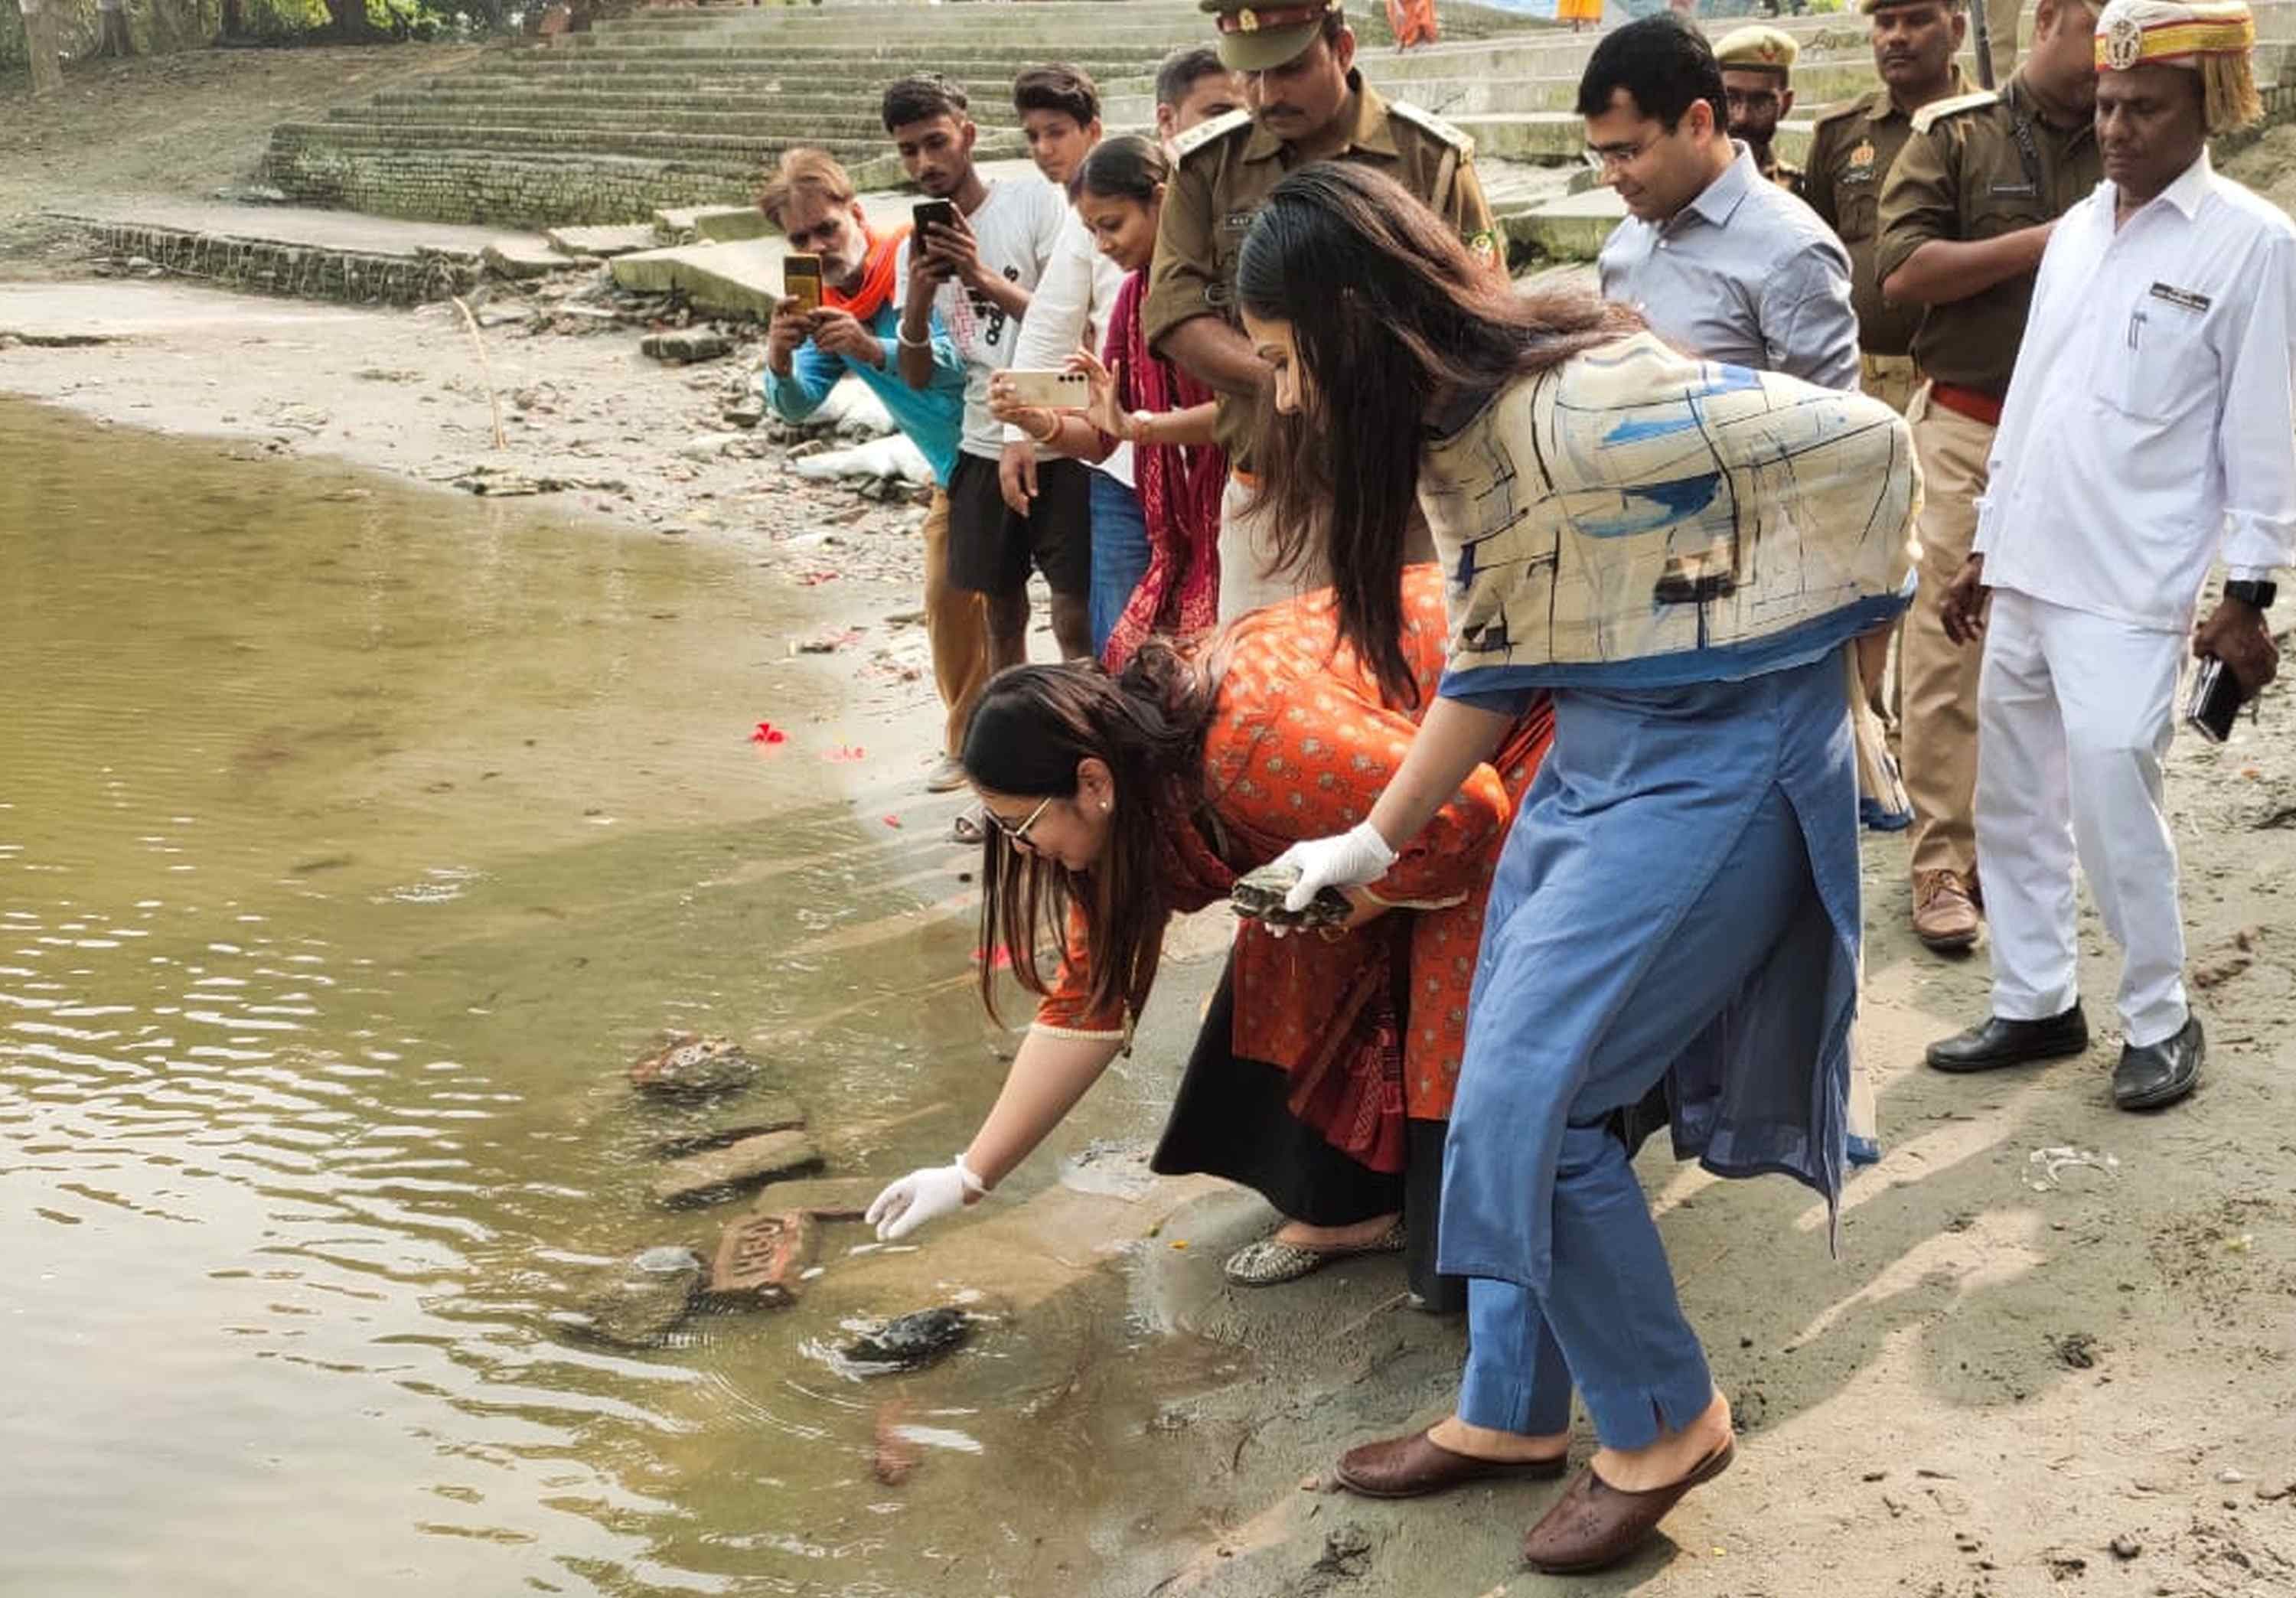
pixel 1675 554
pixel 1324 1070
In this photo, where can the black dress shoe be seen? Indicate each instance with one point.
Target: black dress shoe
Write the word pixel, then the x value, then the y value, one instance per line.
pixel 1998 1043
pixel 2160 1073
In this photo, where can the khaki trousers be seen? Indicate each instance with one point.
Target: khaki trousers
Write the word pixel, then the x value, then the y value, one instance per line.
pixel 1891 378
pixel 2001 22
pixel 1940 738
pixel 956 628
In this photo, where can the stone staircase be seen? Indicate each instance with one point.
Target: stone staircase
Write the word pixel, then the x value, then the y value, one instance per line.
pixel 687 106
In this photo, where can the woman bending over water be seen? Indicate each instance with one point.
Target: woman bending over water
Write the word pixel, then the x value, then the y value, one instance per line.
pixel 1324 1070
pixel 1678 553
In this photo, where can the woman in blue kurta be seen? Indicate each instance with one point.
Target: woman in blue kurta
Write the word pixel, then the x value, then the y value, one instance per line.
pixel 1679 553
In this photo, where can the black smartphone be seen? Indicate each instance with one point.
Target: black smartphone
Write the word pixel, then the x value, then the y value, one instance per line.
pixel 2215 698
pixel 933 213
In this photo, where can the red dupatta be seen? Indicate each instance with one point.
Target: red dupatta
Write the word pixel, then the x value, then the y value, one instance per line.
pixel 1179 488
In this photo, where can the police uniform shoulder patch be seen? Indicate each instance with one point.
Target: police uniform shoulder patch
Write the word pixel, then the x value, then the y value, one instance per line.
pixel 1428 122
pixel 1928 116
pixel 1204 133
pixel 1859 107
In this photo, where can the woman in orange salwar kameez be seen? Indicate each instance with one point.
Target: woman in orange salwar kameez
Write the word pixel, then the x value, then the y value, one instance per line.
pixel 1324 1073
pixel 1579 13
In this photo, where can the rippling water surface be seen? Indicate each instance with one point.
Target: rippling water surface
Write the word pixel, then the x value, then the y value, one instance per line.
pixel 351 843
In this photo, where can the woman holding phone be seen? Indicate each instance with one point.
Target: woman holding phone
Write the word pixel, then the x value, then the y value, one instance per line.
pixel 1137 397
pixel 1680 555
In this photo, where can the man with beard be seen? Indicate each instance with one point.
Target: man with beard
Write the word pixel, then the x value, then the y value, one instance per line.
pixel 856 329
pixel 1758 88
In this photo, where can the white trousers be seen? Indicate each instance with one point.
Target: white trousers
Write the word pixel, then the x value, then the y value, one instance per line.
pixel 2074 715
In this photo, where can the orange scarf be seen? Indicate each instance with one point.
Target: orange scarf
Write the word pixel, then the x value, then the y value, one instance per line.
pixel 876 277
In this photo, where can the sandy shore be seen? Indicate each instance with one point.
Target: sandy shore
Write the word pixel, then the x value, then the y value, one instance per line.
pixel 2023 1358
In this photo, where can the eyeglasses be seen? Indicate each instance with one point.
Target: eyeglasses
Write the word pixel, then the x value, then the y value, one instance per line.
pixel 1602 157
pixel 1018 835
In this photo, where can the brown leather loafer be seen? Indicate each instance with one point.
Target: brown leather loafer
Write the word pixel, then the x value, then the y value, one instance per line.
pixel 1595 1525
pixel 1944 916
pixel 1411 1467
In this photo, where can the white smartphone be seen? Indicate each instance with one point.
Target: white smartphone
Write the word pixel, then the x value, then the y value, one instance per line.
pixel 1050 390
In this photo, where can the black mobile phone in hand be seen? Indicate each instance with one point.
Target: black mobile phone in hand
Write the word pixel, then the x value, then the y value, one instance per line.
pixel 2214 699
pixel 932 213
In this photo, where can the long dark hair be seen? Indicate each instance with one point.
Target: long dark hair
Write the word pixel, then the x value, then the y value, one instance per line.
pixel 1033 724
pixel 1390 316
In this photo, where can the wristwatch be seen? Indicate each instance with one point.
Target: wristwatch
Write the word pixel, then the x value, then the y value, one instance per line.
pixel 2259 594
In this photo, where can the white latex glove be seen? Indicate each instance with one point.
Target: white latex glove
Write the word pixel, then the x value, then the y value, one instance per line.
pixel 1356 857
pixel 921 1196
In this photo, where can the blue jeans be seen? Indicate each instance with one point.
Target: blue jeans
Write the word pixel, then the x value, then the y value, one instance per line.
pixel 1119 554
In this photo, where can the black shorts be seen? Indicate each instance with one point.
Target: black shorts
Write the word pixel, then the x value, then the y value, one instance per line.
pixel 990 548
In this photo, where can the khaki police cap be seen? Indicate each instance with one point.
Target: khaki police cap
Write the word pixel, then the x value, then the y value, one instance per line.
pixel 1868 7
pixel 1757 49
pixel 1255 38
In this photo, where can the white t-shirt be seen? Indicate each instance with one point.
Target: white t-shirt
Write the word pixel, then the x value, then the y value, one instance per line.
pixel 1070 311
pixel 1016 226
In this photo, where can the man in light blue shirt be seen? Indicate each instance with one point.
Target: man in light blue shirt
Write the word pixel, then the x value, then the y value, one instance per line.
pixel 812 201
pixel 1719 260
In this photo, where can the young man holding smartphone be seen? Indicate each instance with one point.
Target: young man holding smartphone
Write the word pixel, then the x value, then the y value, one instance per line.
pixel 853 328
pixel 974 262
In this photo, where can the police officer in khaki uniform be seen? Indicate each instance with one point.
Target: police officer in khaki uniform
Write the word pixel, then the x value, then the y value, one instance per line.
pixel 1852 151
pixel 1756 66
pixel 1965 216
pixel 1307 102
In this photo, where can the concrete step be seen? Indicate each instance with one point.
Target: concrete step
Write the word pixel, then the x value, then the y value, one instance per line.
pixel 1559 138
pixel 672 87
pixel 944 55
pixel 696 94
pixel 735 154
pixel 770 125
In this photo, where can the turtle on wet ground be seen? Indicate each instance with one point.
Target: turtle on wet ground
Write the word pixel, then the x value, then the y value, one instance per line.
pixel 909 1341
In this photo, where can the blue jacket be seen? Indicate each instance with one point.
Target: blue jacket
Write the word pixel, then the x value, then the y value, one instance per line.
pixel 933 417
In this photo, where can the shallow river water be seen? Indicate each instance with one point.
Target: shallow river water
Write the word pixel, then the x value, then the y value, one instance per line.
pixel 352 842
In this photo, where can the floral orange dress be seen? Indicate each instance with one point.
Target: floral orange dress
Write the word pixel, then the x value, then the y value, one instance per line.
pixel 1348 1039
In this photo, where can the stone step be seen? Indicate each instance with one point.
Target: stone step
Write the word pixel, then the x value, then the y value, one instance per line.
pixel 1572 228
pixel 722 151
pixel 1136 108
pixel 925 53
pixel 777 128
pixel 672 88
pixel 1556 137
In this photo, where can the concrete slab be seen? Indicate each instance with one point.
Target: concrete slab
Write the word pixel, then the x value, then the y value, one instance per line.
pixel 524 258
pixel 608 240
pixel 1569 229
pixel 738 279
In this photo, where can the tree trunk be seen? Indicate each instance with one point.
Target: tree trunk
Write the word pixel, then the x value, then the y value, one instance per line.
pixel 42 19
pixel 348 21
pixel 234 24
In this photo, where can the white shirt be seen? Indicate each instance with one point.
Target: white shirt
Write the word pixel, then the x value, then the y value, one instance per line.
pixel 2151 421
pixel 1070 313
pixel 1016 229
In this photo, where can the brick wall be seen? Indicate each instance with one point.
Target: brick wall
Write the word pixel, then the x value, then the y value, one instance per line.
pixel 267 266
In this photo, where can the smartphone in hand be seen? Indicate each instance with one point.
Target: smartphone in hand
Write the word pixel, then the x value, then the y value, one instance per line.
pixel 1050 391
pixel 932 213
pixel 2214 700
pixel 802 280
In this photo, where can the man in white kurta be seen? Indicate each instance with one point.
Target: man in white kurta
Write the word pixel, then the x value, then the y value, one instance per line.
pixel 2150 430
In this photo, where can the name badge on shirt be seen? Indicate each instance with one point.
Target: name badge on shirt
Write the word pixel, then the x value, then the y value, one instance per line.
pixel 2182 298
pixel 2015 191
